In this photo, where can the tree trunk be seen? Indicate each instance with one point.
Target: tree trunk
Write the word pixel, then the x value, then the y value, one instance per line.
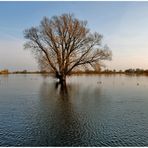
pixel 62 78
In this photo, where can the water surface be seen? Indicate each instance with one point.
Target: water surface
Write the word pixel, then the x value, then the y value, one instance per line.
pixel 98 110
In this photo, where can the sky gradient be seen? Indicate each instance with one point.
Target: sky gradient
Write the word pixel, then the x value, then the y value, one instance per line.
pixel 124 26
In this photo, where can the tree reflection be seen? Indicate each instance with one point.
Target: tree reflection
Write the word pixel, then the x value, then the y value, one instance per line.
pixel 64 126
pixel 67 111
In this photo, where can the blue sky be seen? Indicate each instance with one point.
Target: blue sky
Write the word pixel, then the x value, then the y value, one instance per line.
pixel 124 26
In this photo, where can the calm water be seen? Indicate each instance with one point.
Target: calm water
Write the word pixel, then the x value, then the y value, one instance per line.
pixel 94 111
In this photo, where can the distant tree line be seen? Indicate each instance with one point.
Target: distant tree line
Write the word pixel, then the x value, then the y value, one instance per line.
pixel 5 71
pixel 29 72
pixel 99 71
pixel 127 71
pixel 137 71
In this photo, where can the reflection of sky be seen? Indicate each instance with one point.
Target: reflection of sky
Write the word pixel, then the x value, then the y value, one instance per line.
pixel 34 112
pixel 123 24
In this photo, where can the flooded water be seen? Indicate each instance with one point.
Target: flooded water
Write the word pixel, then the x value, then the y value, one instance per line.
pixel 92 111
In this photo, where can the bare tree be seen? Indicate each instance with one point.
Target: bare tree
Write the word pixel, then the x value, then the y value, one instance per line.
pixel 63 44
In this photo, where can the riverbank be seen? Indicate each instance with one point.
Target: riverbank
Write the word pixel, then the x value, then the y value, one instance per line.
pixel 79 73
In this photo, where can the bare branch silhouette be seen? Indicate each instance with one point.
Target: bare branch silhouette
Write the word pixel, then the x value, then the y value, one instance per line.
pixel 64 43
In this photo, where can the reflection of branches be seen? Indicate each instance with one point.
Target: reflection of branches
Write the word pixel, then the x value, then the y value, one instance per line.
pixel 62 87
pixel 67 119
pixel 64 119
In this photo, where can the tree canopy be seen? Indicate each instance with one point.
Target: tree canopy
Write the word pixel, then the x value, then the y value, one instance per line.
pixel 63 44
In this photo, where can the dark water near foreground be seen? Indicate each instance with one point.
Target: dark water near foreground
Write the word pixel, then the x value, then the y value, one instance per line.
pixel 95 111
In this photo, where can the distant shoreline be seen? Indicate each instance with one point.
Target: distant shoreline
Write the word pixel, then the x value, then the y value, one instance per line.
pixel 80 73
pixel 136 71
